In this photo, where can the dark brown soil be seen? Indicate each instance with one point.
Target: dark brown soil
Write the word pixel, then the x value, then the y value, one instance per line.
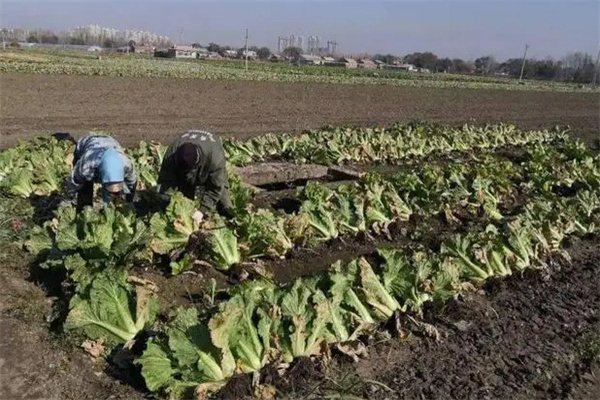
pixel 34 364
pixel 143 108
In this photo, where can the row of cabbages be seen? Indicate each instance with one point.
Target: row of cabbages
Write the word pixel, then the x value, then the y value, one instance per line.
pixel 480 188
pixel 518 202
pixel 43 163
pixel 392 145
pixel 264 323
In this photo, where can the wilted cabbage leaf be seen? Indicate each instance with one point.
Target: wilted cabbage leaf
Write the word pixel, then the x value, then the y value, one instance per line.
pixel 109 308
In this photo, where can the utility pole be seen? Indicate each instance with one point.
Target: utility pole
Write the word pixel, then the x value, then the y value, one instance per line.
pixel 596 68
pixel 246 49
pixel 523 65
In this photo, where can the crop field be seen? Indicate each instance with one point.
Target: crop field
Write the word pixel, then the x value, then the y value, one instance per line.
pixel 146 66
pixel 427 261
pixel 147 109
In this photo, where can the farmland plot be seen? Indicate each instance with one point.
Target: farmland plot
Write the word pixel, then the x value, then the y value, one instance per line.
pixel 439 214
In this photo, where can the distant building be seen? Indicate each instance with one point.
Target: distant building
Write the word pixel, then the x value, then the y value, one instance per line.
pixel 277 58
pixel 366 63
pixel 328 60
pixel 181 51
pixel 230 53
pixel 144 49
pixel 348 62
pixel 94 48
pixel 202 53
pixel 250 53
pixel 213 55
pixel 309 59
pixel 401 67
pixel 379 63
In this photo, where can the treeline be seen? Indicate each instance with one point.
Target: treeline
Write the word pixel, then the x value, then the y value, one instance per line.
pixel 89 36
pixel 575 67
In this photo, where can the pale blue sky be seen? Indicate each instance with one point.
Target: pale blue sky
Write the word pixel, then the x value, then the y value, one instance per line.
pixel 453 28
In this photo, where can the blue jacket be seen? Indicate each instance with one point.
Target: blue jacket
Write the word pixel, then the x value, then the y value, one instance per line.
pixel 88 165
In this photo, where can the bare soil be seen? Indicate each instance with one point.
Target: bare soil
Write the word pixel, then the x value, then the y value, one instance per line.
pixel 159 109
pixel 36 364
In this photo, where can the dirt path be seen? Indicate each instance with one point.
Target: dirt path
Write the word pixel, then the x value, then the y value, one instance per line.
pixel 144 108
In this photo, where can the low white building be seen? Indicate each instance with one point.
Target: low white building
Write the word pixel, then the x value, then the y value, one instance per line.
pixel 181 51
pixel 202 52
pixel 251 54
pixel 309 59
pixel 230 53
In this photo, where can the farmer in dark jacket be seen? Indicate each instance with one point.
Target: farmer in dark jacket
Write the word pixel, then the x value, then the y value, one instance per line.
pixel 195 165
pixel 101 159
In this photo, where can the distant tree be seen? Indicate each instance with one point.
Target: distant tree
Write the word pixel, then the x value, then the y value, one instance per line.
pixel 293 53
pixel 49 38
pixel 486 65
pixel 32 39
pixel 545 69
pixel 386 58
pixel 443 65
pixel 109 43
pixel 213 47
pixel 15 45
pixel 422 60
pixel 131 44
pixel 460 66
pixel 578 67
pixel 196 45
pixel 512 67
pixel 263 53
pixel 76 40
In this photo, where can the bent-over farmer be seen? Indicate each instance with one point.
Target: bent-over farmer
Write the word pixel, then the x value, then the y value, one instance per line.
pixel 194 164
pixel 100 158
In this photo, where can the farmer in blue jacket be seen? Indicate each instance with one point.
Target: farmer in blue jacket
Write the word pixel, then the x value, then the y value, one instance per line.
pixel 100 159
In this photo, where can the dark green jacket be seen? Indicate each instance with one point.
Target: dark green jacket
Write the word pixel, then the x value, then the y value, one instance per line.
pixel 207 181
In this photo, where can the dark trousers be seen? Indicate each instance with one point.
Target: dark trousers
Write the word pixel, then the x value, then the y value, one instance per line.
pixel 85 197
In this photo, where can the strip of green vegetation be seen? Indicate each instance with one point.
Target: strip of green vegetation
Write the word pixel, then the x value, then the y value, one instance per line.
pixel 138 66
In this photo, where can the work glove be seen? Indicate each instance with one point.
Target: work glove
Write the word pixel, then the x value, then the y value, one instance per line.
pixel 198 216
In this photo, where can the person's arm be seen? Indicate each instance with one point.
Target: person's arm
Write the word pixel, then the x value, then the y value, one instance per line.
pixel 167 177
pixel 130 180
pixel 83 172
pixel 216 184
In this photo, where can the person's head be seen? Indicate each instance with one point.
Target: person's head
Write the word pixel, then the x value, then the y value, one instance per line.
pixel 111 174
pixel 187 156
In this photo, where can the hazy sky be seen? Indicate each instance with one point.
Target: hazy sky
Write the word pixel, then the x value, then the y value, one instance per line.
pixel 454 28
